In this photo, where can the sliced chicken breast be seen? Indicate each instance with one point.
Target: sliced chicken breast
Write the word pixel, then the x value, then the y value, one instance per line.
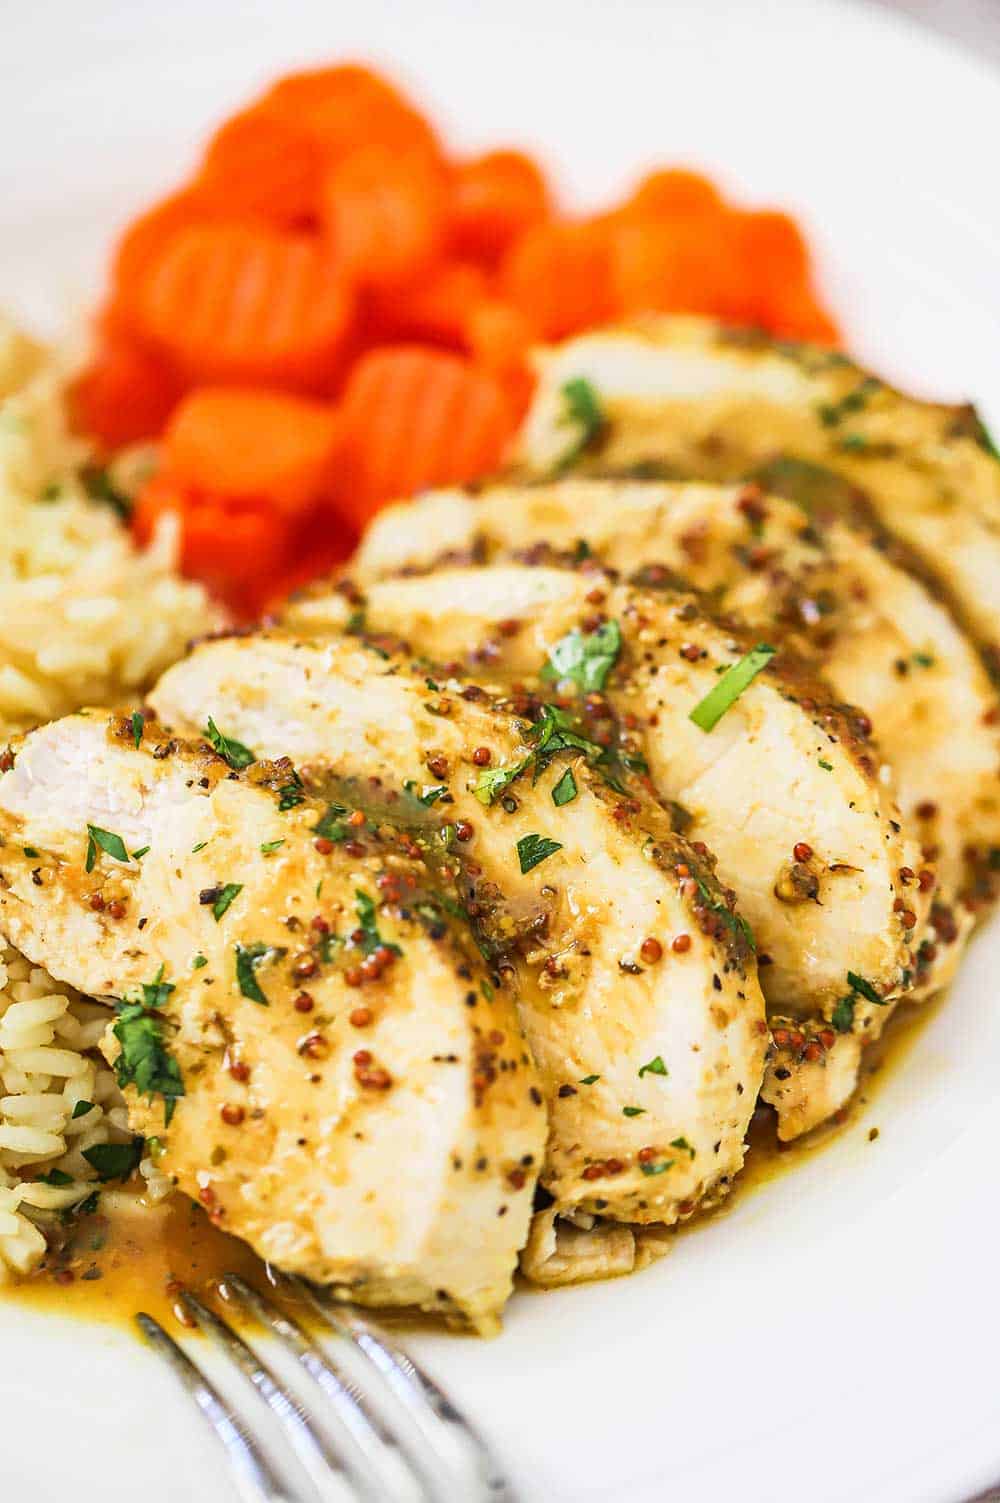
pixel 786 789
pixel 637 987
pixel 875 632
pixel 689 398
pixel 315 1042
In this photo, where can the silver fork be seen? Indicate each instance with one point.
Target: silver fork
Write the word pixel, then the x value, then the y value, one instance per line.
pixel 375 1426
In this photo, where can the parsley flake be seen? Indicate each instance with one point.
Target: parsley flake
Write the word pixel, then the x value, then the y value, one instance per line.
pixel 81 1109
pixel 633 1111
pixel 709 711
pixel 842 1016
pixel 683 1145
pixel 248 958
pixel 582 409
pixel 232 751
pixel 199 962
pixel 565 790
pixel 371 939
pixel 532 850
pixel 661 1168
pixel 654 1067
pixel 144 1060
pixel 114 1160
pixel 269 847
pixel 142 851
pixel 585 661
pixel 589 1079
pixel 55 1177
pixel 227 896
pixel 864 988
pixel 113 845
pixel 331 825
pixel 138 726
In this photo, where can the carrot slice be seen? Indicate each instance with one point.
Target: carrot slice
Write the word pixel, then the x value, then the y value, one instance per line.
pixel 559 276
pixel 233 301
pixel 499 338
pixel 142 243
pixel 263 444
pixel 686 266
pixel 124 394
pixel 672 193
pixel 383 211
pixel 416 417
pixel 494 199
pixel 434 309
pixel 234 546
pixel 348 106
pixel 258 163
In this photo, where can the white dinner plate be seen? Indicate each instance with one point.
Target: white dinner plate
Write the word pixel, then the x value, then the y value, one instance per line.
pixel 836 1335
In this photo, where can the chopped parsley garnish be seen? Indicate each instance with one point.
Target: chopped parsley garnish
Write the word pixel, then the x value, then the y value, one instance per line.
pixel 589 1079
pixel 290 794
pixel 114 1160
pixel 227 896
pixel 30 852
pixel 99 487
pixel 487 990
pixel 553 731
pixel 199 847
pixel 923 659
pixel 532 850
pixel 144 1060
pixel 234 752
pixel 633 1111
pixel 269 847
pixel 371 939
pixel 138 726
pixel 248 958
pixel 113 845
pixel 81 1109
pixel 733 921
pixel 710 710
pixel 585 661
pixel 492 781
pixel 331 826
pixel 55 1177
pixel 565 790
pixel 660 1168
pixel 582 408
pixel 654 1067
pixel 142 851
pixel 826 766
pixel 683 1145
pixel 830 413
pixel 842 1016
pixel 864 988
pixel 199 962
pixel 430 794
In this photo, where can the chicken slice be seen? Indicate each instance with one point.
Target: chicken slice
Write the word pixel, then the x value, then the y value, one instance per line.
pixel 786 789
pixel 875 632
pixel 383 1137
pixel 637 989
pixel 688 398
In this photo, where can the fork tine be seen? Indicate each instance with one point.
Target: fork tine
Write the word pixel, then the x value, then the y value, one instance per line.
pixel 432 1411
pixel 350 1405
pixel 316 1453
pixel 253 1474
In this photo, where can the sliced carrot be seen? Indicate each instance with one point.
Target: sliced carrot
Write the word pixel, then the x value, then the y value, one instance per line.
pixel 142 243
pixel 383 211
pixel 495 198
pixel 346 107
pixel 499 338
pixel 672 193
pixel 240 302
pixel 416 417
pixel 256 443
pixel 320 542
pixel 434 309
pixel 685 266
pixel 235 547
pixel 264 164
pixel 559 276
pixel 124 394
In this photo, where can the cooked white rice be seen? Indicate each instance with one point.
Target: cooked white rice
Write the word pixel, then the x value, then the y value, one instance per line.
pixel 85 618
